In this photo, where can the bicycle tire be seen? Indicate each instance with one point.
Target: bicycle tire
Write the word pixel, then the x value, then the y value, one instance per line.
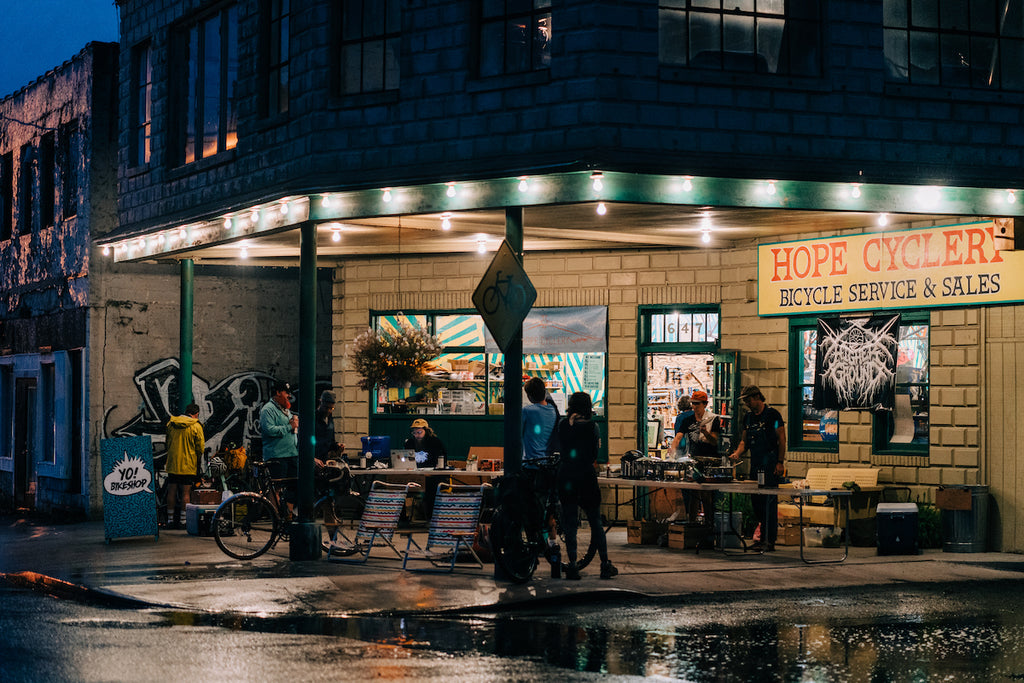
pixel 330 512
pixel 513 551
pixel 245 526
pixel 490 300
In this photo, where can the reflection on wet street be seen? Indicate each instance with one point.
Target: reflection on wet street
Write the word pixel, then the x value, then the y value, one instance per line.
pixel 867 634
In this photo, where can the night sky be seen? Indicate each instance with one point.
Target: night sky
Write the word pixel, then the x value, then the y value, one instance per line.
pixel 38 35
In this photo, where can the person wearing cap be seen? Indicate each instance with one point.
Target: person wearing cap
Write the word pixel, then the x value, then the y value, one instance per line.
pixel 279 430
pixel 764 436
pixel 327 448
pixel 701 428
pixel 423 440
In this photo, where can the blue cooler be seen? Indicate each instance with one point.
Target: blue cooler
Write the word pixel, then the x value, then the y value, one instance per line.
pixel 897 528
pixel 377 449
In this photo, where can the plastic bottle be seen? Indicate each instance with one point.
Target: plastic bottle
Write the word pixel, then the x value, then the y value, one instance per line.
pixel 362 460
pixel 760 478
pixel 440 462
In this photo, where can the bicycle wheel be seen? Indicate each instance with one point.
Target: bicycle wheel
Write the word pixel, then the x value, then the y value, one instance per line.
pixel 245 526
pixel 333 512
pixel 512 548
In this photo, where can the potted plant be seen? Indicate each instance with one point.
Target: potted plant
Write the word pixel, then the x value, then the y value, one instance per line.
pixel 393 358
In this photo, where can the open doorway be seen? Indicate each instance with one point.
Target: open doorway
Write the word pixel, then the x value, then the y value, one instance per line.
pixel 24 450
pixel 668 377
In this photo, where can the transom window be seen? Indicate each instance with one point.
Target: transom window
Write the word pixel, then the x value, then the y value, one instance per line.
pixel 759 36
pixel 960 43
pixel 370 45
pixel 515 36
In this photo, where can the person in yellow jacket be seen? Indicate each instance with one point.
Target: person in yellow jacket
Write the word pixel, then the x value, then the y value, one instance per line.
pixel 185 443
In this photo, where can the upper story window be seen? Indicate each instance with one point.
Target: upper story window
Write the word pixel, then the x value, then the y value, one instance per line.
pixel 6 195
pixel 70 162
pixel 25 190
pixel 47 188
pixel 369 46
pixel 141 104
pixel 958 43
pixel 758 36
pixel 206 61
pixel 276 46
pixel 515 36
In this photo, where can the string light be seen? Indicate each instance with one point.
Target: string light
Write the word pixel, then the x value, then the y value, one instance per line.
pixel 284 208
pixel 481 245
pixel 325 201
pixel 254 216
pixel 598 180
pixel 1010 197
pixel 446 221
pixel 705 232
pixel 451 189
pixel 227 223
pixel 705 235
pixel 601 209
pixel 855 191
pixel 883 219
pixel 523 184
pixel 687 183
pixel 106 250
pixel 771 187
pixel 387 194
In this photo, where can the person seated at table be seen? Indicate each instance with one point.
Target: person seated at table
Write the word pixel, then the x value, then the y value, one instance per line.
pixel 429 450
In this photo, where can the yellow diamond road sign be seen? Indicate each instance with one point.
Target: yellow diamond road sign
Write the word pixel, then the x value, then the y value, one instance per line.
pixel 504 296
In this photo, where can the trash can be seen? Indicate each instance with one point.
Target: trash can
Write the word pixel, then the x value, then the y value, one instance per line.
pixel 964 518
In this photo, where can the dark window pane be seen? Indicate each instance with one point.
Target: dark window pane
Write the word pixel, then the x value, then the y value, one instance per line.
pixel 493 8
pixel 956 61
pixel 352 20
pixel 924 13
pixel 353 68
pixel 924 67
pixel 983 14
pixel 705 40
pixel 672 37
pixel 894 13
pixel 984 65
pixel 373 66
pixel 542 42
pixel 953 15
pixel 492 49
pixel 1011 53
pixel 769 46
pixel 211 86
pixel 896 64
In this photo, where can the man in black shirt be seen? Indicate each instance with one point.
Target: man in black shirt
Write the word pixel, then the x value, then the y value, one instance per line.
pixel 764 435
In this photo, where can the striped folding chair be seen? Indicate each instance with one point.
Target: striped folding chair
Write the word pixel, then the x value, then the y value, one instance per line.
pixel 377 527
pixel 453 528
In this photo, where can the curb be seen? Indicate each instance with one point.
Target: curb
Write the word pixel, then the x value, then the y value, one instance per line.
pixel 72 591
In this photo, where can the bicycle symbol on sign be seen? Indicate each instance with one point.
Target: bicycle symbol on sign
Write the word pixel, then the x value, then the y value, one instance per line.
pixel 503 289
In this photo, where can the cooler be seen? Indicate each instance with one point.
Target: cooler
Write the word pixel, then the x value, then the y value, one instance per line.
pixel 897 528
pixel 376 449
pixel 198 518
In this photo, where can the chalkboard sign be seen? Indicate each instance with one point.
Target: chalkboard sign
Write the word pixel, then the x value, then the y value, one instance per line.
pixel 129 501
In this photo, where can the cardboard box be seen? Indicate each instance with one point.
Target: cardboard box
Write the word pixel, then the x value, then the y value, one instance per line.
pixel 198 518
pixel 953 498
pixel 789 534
pixel 644 533
pixel 688 536
pixel 205 497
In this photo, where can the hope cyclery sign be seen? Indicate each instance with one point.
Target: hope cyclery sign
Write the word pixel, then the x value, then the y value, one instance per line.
pixel 958 265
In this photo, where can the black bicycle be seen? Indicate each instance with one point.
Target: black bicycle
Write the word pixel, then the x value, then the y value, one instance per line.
pixel 526 516
pixel 250 523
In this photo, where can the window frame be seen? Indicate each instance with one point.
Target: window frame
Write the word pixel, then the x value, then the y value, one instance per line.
pixel 646 343
pixel 275 56
pixel 25 196
pixel 881 421
pixel 191 83
pixel 6 196
pixel 140 144
pixel 903 33
pixel 70 150
pixel 532 58
pixel 389 38
pixel 47 187
pixel 795 23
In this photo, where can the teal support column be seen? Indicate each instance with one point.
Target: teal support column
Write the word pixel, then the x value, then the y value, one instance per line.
pixel 185 333
pixel 513 386
pixel 305 534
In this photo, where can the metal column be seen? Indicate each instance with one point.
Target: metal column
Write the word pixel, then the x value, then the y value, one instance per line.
pixel 513 384
pixel 185 333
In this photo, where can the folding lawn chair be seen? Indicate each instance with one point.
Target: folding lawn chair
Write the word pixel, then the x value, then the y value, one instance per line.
pixel 453 527
pixel 384 506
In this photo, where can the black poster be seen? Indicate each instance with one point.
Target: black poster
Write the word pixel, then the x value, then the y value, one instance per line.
pixel 855 368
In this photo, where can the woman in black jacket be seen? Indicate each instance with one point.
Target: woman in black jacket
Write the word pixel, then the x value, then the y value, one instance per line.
pixel 577 481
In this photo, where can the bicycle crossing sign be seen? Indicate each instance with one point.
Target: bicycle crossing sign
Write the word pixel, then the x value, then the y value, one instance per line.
pixel 504 296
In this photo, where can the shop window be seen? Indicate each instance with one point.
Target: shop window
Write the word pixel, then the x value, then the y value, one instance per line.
pixel 467 378
pixel 6 195
pixel 901 430
pixel 206 61
pixel 276 27
pixel 141 104
pixel 515 36
pixel 757 36
pixel 70 160
pixel 368 45
pixel 977 44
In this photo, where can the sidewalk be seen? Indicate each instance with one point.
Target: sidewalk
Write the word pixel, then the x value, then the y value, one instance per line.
pixel 191 573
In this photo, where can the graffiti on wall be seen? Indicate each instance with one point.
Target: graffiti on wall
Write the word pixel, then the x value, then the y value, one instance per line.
pixel 229 410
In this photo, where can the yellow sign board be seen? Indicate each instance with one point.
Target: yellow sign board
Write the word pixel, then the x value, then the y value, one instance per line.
pixel 958 265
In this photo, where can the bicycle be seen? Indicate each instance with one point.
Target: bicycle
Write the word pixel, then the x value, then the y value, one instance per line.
pixel 523 522
pixel 250 523
pixel 513 294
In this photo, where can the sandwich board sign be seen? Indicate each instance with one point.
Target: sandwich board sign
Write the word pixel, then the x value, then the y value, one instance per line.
pixel 129 499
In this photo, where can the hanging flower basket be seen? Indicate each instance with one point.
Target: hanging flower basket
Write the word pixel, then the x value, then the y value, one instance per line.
pixel 393 358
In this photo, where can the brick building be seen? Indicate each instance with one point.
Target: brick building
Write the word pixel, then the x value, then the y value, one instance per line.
pixel 652 157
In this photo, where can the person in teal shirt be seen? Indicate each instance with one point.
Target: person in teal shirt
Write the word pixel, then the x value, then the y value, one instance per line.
pixel 279 431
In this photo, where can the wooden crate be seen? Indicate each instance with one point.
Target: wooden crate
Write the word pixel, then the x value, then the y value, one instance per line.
pixel 644 533
pixel 687 536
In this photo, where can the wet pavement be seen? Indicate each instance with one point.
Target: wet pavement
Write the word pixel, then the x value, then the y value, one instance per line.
pixel 190 573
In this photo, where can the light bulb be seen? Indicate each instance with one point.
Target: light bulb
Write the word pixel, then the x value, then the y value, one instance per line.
pixel 227 223
pixel 160 240
pixel 883 219
pixel 855 192
pixel 451 190
pixel 244 253
pixel 705 235
pixel 106 249
pixel 336 235
pixel 284 208
pixel 182 234
pixel 771 187
pixel 387 194
pixel 1010 197
pixel 598 181
pixel 254 216
pixel 523 185
pixel 446 221
pixel 481 247
pixel 326 201
pixel 601 209
pixel 687 184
